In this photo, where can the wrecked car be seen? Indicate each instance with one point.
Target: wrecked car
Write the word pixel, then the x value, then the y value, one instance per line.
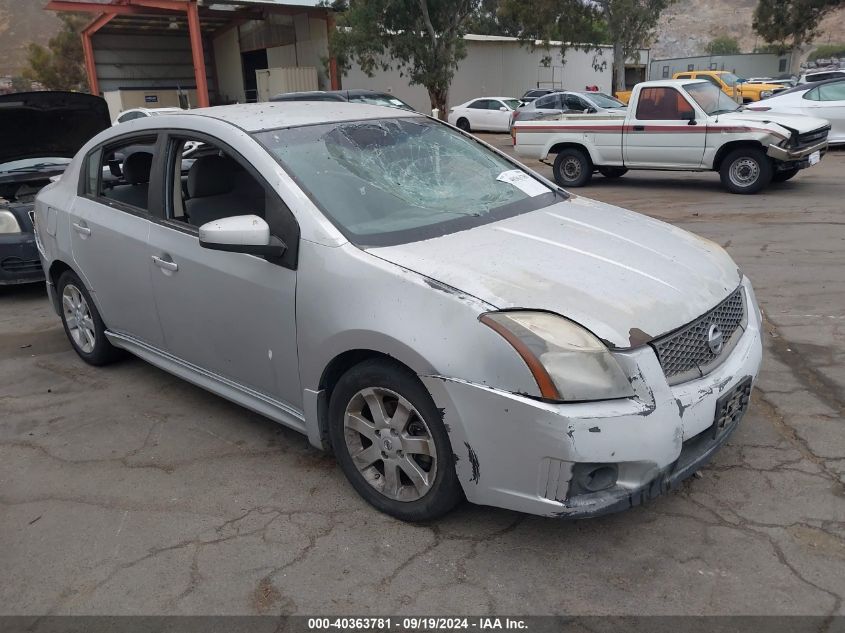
pixel 446 321
pixel 40 132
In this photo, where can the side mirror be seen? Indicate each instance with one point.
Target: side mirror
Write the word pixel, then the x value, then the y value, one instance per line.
pixel 688 116
pixel 502 109
pixel 590 111
pixel 241 234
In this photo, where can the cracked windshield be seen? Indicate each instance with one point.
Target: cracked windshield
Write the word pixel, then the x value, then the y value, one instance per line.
pixel 389 180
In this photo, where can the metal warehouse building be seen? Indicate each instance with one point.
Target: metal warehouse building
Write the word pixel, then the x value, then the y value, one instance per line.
pixel 208 52
pixel 743 64
pixel 164 53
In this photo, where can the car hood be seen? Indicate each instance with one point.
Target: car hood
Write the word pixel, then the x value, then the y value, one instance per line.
pixel 624 276
pixel 797 122
pixel 55 124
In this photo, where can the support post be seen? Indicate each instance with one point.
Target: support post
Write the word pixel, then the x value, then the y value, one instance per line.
pixel 198 54
pixel 90 64
pixel 334 75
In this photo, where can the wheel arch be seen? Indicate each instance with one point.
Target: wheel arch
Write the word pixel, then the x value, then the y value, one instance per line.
pixel 559 147
pixel 332 373
pixel 727 148
pixel 56 270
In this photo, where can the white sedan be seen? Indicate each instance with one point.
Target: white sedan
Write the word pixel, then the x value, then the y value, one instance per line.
pixel 824 100
pixel 485 113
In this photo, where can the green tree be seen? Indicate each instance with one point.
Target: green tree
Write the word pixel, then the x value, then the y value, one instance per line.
pixel 422 39
pixel 722 45
pixel 790 24
pixel 60 65
pixel 489 20
pixel 583 24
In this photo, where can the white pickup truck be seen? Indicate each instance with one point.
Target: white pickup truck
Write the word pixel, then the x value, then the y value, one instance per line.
pixel 676 124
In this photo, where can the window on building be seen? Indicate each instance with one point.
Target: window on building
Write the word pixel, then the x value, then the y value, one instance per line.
pixel 782 65
pixel 665 72
pixel 690 67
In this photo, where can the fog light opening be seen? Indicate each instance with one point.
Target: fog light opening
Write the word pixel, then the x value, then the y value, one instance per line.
pixel 600 478
pixel 588 478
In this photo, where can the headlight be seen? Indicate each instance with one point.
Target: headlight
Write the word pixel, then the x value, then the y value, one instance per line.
pixel 8 223
pixel 567 361
pixel 765 94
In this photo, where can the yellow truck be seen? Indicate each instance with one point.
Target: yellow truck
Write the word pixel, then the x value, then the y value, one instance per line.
pixel 733 86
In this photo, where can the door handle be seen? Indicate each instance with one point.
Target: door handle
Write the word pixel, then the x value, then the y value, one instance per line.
pixel 82 230
pixel 164 264
pixel 639 128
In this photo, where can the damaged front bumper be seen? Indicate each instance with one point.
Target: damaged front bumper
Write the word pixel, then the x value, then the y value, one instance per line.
pixel 515 452
pixel 800 157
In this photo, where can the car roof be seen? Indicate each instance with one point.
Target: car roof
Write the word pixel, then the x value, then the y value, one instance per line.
pixel 254 117
pixel 810 85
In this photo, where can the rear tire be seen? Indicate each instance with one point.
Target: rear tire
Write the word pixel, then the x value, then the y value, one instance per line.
pixel 463 124
pixel 612 172
pixel 403 466
pixel 783 176
pixel 572 168
pixel 82 322
pixel 746 170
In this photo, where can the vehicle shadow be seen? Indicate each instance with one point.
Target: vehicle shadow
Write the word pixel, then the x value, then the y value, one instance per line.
pixel 24 292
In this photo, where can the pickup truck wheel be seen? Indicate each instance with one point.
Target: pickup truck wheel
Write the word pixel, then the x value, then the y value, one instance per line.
pixel 746 170
pixel 572 168
pixel 612 172
pixel 783 176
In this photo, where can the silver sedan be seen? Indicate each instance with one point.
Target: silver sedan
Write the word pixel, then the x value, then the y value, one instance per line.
pixel 449 323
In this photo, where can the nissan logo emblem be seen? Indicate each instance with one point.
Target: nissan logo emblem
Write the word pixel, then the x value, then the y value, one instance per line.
pixel 715 339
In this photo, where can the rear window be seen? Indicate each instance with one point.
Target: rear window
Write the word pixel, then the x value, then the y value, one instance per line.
pixel 391 181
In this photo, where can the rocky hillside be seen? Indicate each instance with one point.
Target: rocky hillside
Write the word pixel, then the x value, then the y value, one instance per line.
pixel 687 27
pixel 21 22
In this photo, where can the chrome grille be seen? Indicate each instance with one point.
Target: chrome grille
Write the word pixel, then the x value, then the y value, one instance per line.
pixel 685 353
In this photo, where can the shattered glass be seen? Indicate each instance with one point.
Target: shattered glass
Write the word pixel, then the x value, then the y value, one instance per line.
pixel 397 174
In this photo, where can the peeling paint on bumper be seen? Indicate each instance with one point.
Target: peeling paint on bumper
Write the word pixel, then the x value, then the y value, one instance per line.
pixel 525 449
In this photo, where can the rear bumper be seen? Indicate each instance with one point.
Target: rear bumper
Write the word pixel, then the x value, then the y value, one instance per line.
pixel 19 260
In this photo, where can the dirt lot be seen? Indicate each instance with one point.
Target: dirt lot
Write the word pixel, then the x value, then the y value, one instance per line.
pixel 124 490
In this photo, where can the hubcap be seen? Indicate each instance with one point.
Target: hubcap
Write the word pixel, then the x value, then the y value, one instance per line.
pixel 390 444
pixel 77 315
pixel 571 168
pixel 744 172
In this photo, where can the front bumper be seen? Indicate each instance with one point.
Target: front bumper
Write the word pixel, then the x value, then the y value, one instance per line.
pixel 515 452
pixel 786 154
pixel 19 259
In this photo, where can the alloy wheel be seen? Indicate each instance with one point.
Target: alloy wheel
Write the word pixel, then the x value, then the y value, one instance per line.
pixel 390 444
pixel 77 314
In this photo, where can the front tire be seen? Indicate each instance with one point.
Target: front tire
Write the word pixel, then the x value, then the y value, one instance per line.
pixel 391 443
pixel 572 168
pixel 463 124
pixel 746 170
pixel 783 176
pixel 82 322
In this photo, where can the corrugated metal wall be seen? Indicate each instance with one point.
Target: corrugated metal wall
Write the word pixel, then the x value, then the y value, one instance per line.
pixel 744 65
pixel 147 61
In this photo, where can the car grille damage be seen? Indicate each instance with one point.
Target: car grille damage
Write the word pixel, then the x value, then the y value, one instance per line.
pixel 686 354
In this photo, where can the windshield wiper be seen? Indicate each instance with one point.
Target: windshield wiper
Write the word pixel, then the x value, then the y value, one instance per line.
pixel 31 168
